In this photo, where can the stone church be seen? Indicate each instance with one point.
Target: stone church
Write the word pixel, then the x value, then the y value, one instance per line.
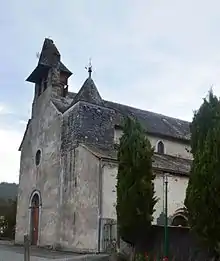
pixel 68 166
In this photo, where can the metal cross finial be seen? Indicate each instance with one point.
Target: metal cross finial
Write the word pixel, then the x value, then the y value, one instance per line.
pixel 89 68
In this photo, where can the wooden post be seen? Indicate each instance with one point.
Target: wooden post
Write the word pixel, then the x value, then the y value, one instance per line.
pixel 26 248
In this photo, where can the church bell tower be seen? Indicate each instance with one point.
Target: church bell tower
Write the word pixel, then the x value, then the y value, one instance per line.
pixel 50 76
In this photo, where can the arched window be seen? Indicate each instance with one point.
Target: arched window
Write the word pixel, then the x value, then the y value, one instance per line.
pixel 160 147
pixel 180 221
pixel 35 202
pixel 35 198
pixel 38 157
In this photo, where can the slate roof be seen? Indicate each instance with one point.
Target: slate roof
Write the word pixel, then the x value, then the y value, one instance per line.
pixel 88 93
pixel 154 123
pixel 49 57
pixel 161 162
pixel 63 68
pixel 49 54
pixel 171 164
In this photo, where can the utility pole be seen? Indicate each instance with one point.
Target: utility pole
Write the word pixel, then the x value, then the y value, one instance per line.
pixel 166 243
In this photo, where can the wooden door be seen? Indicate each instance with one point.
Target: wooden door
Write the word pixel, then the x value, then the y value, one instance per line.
pixel 34 219
pixel 35 225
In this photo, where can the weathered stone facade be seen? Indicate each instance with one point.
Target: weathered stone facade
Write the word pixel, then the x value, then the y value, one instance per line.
pixel 68 160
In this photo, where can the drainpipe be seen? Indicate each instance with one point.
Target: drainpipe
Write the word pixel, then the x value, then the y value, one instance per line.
pixel 166 242
pixel 100 205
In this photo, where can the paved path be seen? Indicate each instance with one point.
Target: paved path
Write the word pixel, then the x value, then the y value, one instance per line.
pixel 15 253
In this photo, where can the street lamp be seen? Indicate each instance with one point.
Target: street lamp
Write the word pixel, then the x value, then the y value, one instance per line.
pixel 166 243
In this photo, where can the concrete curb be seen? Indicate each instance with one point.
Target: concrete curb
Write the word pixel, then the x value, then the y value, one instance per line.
pixel 87 257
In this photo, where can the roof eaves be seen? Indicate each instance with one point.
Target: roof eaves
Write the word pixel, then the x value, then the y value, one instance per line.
pixel 20 147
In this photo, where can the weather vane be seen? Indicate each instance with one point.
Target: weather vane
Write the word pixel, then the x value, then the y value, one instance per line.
pixel 89 67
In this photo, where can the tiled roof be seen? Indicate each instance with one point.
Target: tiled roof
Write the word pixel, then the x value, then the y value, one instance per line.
pixel 171 164
pixel 163 162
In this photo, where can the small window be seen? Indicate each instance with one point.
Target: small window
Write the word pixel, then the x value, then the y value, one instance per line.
pixel 160 147
pixel 74 217
pixel 38 157
pixel 45 84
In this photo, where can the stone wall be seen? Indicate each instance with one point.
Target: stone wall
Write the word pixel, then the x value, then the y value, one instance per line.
pixel 43 134
pixel 80 203
pixel 70 129
pixel 88 124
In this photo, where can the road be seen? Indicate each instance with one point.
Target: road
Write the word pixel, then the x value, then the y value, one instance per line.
pixel 15 253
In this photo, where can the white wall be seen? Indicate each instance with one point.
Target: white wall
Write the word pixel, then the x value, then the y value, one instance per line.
pixel 176 193
pixel 109 176
pixel 173 148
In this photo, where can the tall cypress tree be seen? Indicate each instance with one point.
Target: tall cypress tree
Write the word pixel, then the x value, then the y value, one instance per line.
pixel 203 191
pixel 135 187
pixel 204 120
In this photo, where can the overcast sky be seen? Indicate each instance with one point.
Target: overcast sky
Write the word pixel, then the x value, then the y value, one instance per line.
pixel 158 55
